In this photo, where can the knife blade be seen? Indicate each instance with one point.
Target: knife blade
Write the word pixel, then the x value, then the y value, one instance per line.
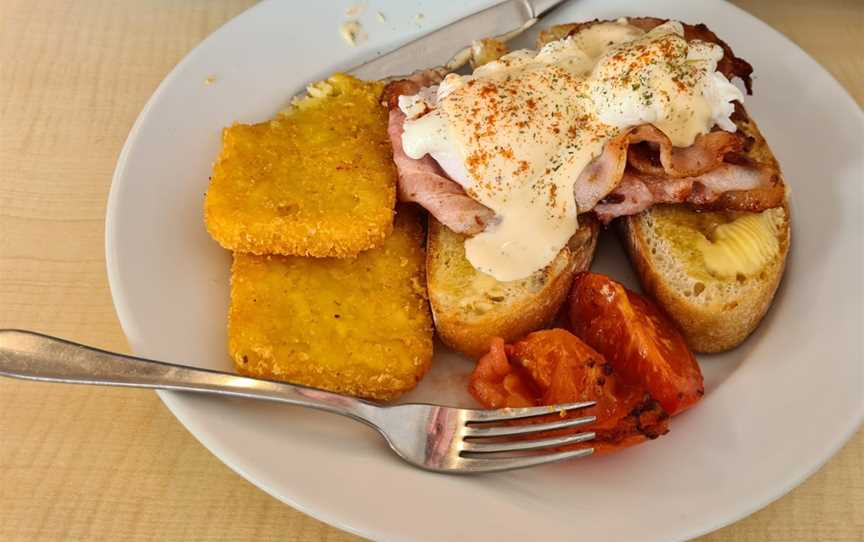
pixel 507 19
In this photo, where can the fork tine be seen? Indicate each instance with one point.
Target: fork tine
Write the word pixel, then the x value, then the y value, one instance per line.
pixel 471 464
pixel 504 414
pixel 507 430
pixel 520 445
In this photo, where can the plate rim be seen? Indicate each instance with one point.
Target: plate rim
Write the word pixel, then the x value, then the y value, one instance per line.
pixel 184 413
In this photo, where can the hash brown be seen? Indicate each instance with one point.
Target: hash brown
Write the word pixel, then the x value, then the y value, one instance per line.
pixel 317 180
pixel 359 326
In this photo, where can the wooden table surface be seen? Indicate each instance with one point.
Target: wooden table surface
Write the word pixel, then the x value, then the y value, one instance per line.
pixel 80 463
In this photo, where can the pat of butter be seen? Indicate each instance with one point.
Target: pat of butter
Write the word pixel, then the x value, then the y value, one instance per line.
pixel 744 246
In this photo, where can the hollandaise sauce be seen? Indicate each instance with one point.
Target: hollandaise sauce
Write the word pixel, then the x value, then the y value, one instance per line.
pixel 519 131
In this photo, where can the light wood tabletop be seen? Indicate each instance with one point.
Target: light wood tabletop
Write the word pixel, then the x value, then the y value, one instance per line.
pixel 86 463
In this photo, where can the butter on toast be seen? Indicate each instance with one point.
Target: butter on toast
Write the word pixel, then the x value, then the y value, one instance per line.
pixel 470 308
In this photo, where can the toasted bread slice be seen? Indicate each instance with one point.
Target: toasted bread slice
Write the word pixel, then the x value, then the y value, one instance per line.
pixel 317 180
pixel 716 295
pixel 470 308
pixel 359 326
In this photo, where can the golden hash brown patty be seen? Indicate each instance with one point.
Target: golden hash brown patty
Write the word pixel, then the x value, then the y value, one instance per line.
pixel 359 326
pixel 317 180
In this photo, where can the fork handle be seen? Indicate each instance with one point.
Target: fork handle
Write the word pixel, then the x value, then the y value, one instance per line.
pixel 33 356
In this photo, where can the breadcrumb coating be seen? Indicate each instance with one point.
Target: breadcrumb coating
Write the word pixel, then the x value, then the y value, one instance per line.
pixel 359 326
pixel 317 180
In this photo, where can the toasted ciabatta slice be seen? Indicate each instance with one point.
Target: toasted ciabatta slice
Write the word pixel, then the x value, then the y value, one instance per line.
pixel 715 273
pixel 470 308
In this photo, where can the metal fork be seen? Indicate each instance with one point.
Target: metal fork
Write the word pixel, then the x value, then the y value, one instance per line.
pixel 435 438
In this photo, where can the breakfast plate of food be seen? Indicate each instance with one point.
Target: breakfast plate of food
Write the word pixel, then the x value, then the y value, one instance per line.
pixel 653 206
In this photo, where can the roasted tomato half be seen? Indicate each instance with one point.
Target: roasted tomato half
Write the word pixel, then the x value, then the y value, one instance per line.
pixel 553 367
pixel 639 341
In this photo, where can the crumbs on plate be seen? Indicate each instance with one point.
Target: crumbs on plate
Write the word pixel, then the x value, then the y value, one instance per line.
pixel 352 32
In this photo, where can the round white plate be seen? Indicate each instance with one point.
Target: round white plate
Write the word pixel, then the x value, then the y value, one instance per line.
pixel 776 408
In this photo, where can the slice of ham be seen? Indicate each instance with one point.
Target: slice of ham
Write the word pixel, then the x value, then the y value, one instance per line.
pixel 602 174
pixel 706 152
pixel 661 163
pixel 422 181
pixel 740 187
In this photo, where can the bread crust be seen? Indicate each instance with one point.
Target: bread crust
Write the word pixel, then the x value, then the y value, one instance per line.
pixel 472 334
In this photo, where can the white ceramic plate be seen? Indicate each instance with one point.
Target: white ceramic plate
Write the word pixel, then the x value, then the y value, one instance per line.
pixel 776 408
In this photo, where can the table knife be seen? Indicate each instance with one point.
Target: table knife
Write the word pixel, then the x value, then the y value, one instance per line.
pixel 449 45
